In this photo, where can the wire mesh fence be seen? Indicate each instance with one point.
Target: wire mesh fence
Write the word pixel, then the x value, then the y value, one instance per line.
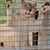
pixel 24 29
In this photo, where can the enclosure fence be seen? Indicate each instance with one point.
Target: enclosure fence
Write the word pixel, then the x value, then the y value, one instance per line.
pixel 21 31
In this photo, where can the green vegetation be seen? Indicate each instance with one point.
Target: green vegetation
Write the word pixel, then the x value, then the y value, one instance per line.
pixel 2 19
pixel 3 11
pixel 14 4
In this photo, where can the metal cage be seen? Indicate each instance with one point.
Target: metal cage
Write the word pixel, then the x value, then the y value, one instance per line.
pixel 22 30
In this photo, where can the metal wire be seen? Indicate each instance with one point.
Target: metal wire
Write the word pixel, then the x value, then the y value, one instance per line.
pixel 23 31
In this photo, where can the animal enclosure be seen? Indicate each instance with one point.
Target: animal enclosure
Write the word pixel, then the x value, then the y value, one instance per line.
pixel 23 25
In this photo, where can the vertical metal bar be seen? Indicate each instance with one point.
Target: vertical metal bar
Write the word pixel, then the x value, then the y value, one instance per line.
pixel 20 31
